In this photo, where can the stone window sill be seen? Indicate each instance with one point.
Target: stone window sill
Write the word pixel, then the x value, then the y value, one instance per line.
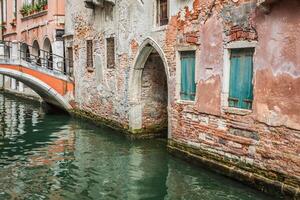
pixel 186 102
pixel 9 34
pixel 237 111
pixel 160 28
pixel 36 15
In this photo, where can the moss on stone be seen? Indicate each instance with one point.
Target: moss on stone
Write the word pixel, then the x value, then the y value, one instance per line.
pixel 150 132
pixel 267 181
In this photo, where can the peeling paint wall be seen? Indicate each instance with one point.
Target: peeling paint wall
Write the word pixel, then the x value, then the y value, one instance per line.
pixel 265 138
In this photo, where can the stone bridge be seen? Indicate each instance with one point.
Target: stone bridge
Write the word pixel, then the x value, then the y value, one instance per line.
pixel 43 72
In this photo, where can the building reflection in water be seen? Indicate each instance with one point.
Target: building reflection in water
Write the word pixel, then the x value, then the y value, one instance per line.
pixel 46 156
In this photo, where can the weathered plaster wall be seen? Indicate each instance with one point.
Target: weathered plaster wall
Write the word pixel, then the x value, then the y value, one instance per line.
pixel 275 117
pixel 264 141
pixel 278 66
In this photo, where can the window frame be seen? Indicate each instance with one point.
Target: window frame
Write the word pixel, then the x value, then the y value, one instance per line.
pixel 226 76
pixel 15 9
pixel 89 58
pixel 114 52
pixel 179 49
pixel 4 11
pixel 157 15
pixel 70 53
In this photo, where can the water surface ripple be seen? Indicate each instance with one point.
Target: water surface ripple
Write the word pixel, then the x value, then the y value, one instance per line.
pixel 45 156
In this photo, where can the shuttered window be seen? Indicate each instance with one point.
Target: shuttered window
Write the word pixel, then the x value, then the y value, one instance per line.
pixel 188 85
pixel 162 12
pixel 241 75
pixel 110 52
pixel 70 59
pixel 89 53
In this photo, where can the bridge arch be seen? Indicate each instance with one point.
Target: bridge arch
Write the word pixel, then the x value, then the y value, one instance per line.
pixel 149 51
pixel 47 93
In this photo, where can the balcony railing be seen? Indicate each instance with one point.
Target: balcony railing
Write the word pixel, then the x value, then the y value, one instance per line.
pixel 22 52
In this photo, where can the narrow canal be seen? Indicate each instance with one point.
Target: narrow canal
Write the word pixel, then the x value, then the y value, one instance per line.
pixel 52 156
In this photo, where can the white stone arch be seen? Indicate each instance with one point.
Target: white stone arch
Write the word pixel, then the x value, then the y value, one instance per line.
pixel 45 91
pixel 35 48
pixel 35 52
pixel 135 81
pixel 25 52
pixel 47 45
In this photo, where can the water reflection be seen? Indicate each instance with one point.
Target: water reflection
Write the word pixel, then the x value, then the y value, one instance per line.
pixel 55 157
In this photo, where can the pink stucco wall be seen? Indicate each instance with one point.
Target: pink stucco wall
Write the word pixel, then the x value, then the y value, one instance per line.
pixel 38 27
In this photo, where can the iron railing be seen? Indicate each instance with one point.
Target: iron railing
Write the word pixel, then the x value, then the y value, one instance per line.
pixel 38 57
pixel 6 50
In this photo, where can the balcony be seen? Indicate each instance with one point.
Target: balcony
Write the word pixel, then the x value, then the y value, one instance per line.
pixel 30 11
pixel 98 3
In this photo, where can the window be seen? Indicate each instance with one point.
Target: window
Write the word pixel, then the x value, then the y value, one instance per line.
pixel 110 52
pixel 188 85
pixel 162 12
pixel 89 53
pixel 241 75
pixel 17 85
pixel 4 10
pixel 70 59
pixel 15 9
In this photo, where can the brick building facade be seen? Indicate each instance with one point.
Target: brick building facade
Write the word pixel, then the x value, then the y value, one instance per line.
pixel 222 76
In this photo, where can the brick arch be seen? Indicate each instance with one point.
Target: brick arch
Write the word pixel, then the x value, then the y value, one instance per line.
pixel 148 46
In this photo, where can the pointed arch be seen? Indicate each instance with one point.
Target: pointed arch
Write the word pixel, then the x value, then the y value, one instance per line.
pixel 145 49
pixel 148 47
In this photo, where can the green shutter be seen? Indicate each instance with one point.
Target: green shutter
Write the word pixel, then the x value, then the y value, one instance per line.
pixel 241 75
pixel 188 85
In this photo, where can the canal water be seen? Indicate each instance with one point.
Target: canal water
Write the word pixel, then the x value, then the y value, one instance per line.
pixel 53 156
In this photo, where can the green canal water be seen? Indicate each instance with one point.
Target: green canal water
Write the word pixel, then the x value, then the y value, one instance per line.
pixel 53 156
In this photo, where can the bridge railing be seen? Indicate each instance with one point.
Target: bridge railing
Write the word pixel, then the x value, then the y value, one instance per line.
pixel 34 56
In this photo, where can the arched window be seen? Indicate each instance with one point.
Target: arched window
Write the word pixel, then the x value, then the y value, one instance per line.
pixel 47 54
pixel 36 52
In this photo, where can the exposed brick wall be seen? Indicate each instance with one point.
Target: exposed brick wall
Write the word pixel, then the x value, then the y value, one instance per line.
pixel 265 140
pixel 154 93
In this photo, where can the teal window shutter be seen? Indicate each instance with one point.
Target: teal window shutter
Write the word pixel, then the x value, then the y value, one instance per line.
pixel 241 75
pixel 188 85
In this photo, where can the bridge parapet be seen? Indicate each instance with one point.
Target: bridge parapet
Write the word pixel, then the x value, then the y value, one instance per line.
pixel 47 74
pixel 19 53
